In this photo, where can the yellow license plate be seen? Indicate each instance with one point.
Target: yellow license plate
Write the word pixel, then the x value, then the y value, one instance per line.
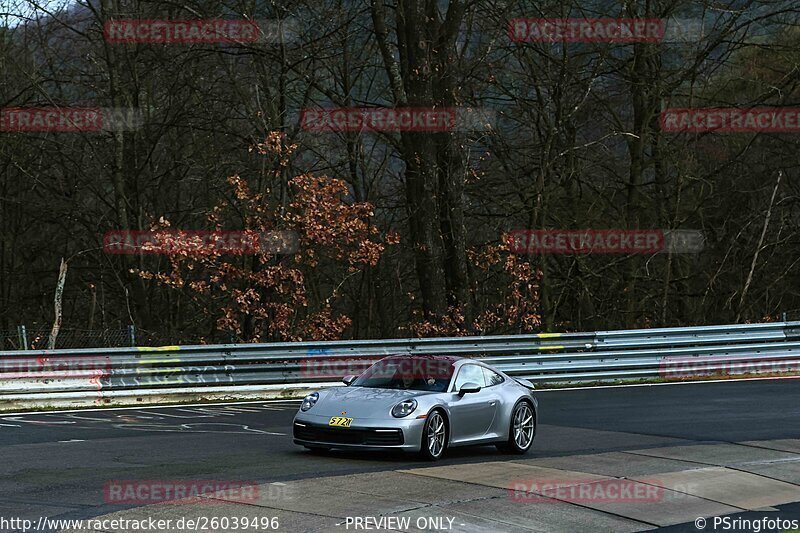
pixel 340 421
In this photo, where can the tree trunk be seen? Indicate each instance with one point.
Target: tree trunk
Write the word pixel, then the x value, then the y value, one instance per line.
pixel 62 278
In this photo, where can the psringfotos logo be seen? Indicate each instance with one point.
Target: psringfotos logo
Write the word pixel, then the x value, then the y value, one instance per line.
pixel 200 242
pixel 387 119
pixel 605 241
pixel 683 367
pixel 585 491
pixel 68 119
pixel 144 492
pixel 199 31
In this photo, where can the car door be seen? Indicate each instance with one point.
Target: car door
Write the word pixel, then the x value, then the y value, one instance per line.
pixel 494 382
pixel 472 414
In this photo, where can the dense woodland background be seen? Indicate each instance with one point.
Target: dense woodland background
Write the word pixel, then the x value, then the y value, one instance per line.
pixel 401 234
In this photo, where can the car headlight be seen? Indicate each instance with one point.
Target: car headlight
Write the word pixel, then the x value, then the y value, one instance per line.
pixel 404 408
pixel 309 401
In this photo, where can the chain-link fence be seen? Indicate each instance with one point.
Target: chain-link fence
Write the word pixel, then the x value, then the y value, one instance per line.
pixel 36 337
pixel 145 337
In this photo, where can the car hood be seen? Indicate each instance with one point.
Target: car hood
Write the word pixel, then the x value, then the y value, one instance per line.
pixel 361 402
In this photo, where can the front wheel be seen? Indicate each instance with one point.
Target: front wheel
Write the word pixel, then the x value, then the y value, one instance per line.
pixel 521 430
pixel 434 437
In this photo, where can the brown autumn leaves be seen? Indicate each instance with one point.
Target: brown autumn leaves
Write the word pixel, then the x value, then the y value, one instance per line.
pixel 266 296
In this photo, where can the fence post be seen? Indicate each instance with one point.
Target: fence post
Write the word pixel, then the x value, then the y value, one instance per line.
pixel 132 334
pixel 23 337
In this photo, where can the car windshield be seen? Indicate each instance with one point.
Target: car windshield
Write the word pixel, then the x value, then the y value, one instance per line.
pixel 423 374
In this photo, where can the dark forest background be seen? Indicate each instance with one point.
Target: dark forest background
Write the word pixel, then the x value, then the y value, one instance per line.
pixel 576 144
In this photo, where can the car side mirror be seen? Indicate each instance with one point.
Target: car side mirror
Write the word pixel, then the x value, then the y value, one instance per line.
pixel 468 387
pixel 348 379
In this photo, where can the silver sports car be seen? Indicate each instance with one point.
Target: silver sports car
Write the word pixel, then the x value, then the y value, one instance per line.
pixel 421 403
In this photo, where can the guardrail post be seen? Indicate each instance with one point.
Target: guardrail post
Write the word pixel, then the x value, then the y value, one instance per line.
pixel 23 337
pixel 132 334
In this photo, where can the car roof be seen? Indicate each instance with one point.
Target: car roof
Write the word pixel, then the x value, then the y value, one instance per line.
pixel 451 358
pixel 455 360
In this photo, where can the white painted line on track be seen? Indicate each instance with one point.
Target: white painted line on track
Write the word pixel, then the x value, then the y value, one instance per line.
pixel 18 418
pixel 292 403
pixel 184 417
pixel 203 411
pixel 73 440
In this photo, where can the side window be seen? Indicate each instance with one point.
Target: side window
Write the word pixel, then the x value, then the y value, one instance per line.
pixel 492 377
pixel 469 374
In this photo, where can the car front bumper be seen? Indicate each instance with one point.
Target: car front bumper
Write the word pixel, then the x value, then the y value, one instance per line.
pixel 364 433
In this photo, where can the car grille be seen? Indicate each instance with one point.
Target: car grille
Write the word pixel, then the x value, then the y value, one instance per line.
pixel 363 436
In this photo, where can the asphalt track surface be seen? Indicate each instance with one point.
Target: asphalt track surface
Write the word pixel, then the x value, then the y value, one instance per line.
pixel 56 464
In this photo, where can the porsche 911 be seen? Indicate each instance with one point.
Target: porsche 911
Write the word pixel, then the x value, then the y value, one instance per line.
pixel 421 403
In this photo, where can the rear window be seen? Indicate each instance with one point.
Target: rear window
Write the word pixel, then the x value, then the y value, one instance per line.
pixel 492 377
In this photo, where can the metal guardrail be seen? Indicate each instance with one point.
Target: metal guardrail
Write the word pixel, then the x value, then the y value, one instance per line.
pixel 547 357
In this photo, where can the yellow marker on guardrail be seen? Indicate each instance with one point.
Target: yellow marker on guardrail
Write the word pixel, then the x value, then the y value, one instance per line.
pixel 158 348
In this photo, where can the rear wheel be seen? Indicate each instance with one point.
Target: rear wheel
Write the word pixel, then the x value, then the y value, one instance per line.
pixel 434 437
pixel 521 431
